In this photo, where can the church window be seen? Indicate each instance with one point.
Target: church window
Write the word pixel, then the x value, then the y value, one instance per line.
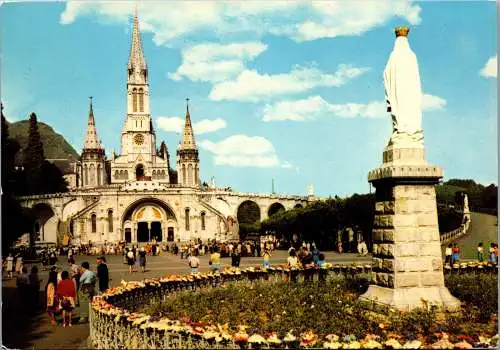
pixel 203 220
pixel 110 220
pixel 93 220
pixel 154 174
pixel 141 101
pixel 183 174
pixel 117 174
pixel 99 175
pixel 92 175
pixel 187 218
pixel 125 175
pixel 163 174
pixel 190 174
pixel 85 175
pixel 134 100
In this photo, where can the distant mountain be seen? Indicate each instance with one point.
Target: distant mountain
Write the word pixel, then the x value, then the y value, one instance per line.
pixel 56 148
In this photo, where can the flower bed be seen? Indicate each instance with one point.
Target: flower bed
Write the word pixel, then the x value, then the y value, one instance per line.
pixel 116 321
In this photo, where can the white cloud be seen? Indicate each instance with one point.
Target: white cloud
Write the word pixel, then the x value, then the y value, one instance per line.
pixel 337 18
pixel 316 107
pixel 216 62
pixel 170 124
pixel 253 86
pixel 299 20
pixel 490 68
pixel 244 151
pixel 176 124
pixel 431 102
pixel 205 126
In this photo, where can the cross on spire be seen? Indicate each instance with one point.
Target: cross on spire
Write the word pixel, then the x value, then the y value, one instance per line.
pixel 91 111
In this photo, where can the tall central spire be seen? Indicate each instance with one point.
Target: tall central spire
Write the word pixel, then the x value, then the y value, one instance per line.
pixel 136 62
pixel 91 139
pixel 188 137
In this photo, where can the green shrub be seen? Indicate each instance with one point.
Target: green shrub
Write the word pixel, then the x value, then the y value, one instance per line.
pixel 330 307
pixel 478 291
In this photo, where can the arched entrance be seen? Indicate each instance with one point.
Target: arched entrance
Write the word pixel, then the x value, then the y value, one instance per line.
pixel 248 216
pixel 139 172
pixel 275 208
pixel 147 220
pixel 44 223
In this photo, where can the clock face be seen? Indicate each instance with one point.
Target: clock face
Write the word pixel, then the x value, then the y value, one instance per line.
pixel 139 139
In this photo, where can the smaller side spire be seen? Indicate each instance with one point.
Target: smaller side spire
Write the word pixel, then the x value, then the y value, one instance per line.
pixel 91 139
pixel 188 141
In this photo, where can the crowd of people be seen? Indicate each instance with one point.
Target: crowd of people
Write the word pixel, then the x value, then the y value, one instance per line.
pixel 68 291
pixel 452 254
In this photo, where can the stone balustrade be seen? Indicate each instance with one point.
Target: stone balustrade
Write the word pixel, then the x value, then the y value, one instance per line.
pixel 453 235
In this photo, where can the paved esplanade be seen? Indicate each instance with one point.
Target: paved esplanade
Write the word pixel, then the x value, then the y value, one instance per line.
pixel 166 263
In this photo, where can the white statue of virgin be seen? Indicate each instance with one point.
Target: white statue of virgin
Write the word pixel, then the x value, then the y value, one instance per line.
pixel 403 91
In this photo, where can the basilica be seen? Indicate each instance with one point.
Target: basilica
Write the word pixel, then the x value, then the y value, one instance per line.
pixel 137 196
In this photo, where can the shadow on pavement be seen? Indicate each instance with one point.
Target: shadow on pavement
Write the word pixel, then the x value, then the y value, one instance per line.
pixel 22 328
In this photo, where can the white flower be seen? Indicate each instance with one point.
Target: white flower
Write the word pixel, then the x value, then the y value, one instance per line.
pixel 352 345
pixel 412 344
pixel 257 338
pixel 332 345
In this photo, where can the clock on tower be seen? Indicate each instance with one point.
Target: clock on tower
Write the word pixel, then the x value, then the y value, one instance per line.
pixel 139 139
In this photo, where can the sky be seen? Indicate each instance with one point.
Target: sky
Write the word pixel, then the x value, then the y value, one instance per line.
pixel 284 90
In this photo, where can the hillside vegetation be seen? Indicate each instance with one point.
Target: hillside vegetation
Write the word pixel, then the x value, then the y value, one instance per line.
pixel 481 198
pixel 55 145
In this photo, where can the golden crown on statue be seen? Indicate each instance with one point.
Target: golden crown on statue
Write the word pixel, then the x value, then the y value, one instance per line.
pixel 402 31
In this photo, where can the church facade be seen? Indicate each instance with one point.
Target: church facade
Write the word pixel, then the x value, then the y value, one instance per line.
pixel 137 196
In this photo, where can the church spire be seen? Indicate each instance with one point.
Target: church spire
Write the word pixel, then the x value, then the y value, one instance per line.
pixel 136 62
pixel 188 137
pixel 91 139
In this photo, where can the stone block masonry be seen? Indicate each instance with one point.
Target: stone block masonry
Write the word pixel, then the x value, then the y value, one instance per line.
pixel 407 265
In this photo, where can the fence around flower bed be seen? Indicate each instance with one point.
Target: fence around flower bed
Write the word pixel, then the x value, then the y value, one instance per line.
pixel 115 322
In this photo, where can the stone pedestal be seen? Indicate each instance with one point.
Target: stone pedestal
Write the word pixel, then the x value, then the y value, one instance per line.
pixel 407 263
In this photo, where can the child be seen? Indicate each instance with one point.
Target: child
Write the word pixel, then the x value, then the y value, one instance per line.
pixel 10 264
pixel 267 257
pixel 321 260
pixel 480 252
pixel 194 262
pixel 447 254
pixel 455 258
pixel 492 257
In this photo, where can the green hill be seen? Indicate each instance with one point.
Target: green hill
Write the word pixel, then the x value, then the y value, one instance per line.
pixel 481 198
pixel 55 146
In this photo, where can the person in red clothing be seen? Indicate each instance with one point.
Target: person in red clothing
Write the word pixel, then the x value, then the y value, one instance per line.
pixel 66 293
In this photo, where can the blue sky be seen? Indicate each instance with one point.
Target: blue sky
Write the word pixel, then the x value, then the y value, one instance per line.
pixel 290 91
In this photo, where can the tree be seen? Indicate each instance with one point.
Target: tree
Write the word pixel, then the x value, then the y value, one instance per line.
pixel 53 179
pixel 41 175
pixel 248 218
pixel 12 215
pixel 9 149
pixel 34 157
